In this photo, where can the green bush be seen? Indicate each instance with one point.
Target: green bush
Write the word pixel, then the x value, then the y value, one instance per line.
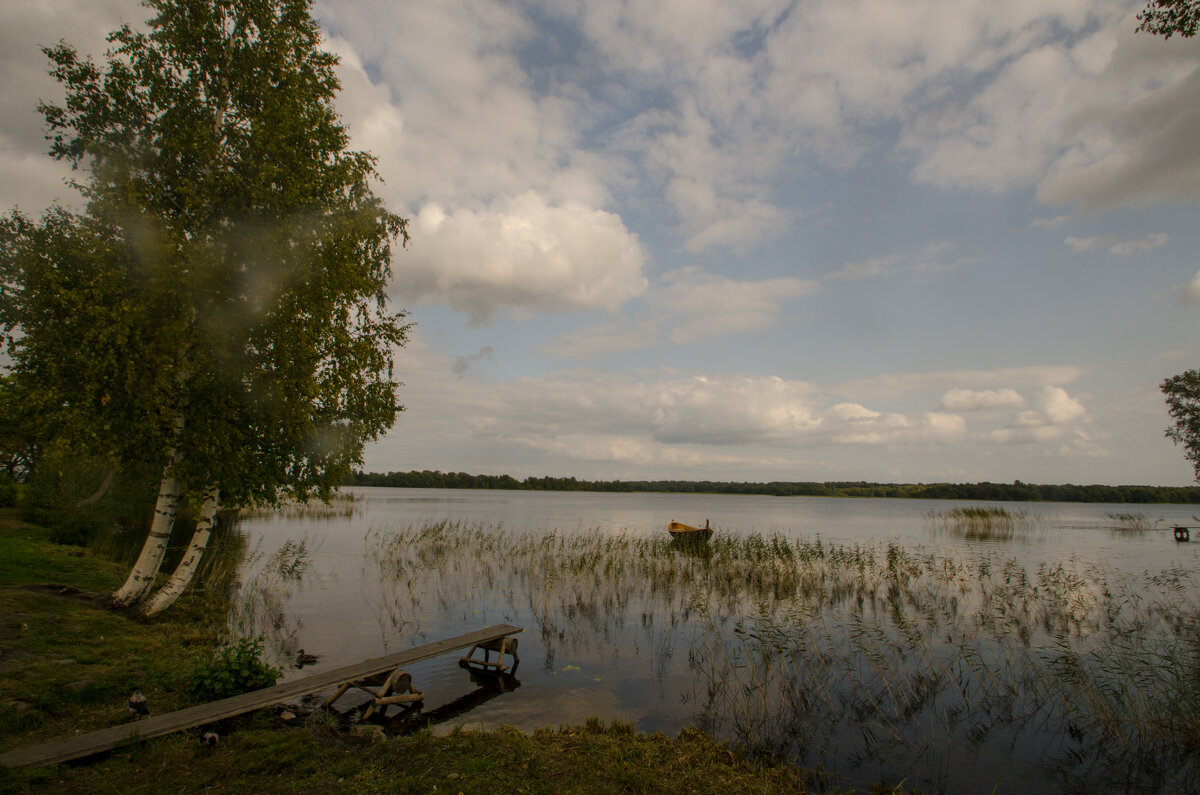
pixel 75 529
pixel 234 668
pixel 8 492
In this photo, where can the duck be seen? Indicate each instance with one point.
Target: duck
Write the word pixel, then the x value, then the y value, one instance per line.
pixel 137 704
pixel 303 659
pixel 209 739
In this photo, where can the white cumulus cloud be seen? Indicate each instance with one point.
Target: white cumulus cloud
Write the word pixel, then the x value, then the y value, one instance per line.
pixel 524 255
pixel 1189 294
pixel 1057 406
pixel 893 384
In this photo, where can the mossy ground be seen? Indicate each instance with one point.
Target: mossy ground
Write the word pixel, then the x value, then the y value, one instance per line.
pixel 68 663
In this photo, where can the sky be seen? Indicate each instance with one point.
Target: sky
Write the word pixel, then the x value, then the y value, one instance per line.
pixel 886 240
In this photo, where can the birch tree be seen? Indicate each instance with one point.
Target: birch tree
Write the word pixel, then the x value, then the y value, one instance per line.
pixel 1182 393
pixel 219 305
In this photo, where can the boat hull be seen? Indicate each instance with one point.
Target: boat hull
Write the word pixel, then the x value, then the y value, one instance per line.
pixel 679 530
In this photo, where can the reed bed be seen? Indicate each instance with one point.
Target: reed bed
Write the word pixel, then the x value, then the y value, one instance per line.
pixel 1132 522
pixel 872 658
pixel 983 523
pixel 338 506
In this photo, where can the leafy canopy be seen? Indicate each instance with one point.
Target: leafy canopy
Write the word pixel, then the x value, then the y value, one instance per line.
pixel 1183 404
pixel 1168 17
pixel 228 273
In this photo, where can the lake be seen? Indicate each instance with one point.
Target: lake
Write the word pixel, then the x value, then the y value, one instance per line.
pixel 878 639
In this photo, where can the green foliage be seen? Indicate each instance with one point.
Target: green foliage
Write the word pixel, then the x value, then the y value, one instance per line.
pixel 19 424
pixel 1183 404
pixel 229 270
pixel 67 494
pixel 1012 492
pixel 1168 17
pixel 235 668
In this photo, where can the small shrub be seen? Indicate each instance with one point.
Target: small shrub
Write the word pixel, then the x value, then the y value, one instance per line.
pixel 76 530
pixel 8 492
pixel 235 668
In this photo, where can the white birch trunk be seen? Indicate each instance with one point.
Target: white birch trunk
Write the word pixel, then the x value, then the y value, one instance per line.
pixel 186 569
pixel 141 579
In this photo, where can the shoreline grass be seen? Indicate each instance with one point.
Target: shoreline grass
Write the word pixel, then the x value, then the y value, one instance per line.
pixel 68 664
pixel 901 659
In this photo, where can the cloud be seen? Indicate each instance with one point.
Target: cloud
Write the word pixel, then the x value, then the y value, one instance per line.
pixel 1057 407
pixel 1189 294
pixel 464 363
pixel 1118 248
pixel 1126 247
pixel 688 305
pixel 705 305
pixel 524 256
pixel 1029 434
pixel 894 384
pixel 895 429
pixel 931 258
pixel 851 412
pixel 1005 135
pixel 652 422
pixel 1048 420
pixel 1082 244
pixel 1136 146
pixel 1050 223
pixel 621 334
pixel 638 417
pixel 723 411
pixel 28 177
pixel 970 400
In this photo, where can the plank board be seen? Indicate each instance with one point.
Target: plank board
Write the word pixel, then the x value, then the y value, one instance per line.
pixel 158 725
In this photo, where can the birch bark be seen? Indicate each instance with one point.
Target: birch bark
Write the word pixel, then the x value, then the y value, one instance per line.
pixel 141 578
pixel 186 570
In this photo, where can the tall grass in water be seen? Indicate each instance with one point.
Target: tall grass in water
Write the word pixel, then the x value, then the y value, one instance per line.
pixel 985 523
pixel 1132 522
pixel 259 607
pixel 338 506
pixel 871 658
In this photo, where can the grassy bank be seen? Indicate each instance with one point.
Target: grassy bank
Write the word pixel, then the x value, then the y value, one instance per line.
pixel 67 665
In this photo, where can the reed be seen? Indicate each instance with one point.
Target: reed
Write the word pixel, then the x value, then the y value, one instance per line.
pixel 338 506
pixel 982 523
pixel 869 656
pixel 1132 522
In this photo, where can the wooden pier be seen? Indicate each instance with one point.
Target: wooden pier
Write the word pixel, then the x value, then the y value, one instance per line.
pixel 158 725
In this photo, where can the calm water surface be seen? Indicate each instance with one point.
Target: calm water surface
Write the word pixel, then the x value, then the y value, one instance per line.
pixel 632 657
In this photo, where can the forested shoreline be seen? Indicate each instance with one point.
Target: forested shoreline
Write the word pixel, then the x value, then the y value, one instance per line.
pixel 1013 492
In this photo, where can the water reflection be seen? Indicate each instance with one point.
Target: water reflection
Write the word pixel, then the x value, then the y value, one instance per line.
pixel 260 607
pixel 950 668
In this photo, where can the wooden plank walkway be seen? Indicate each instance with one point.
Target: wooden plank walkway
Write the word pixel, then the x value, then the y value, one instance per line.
pixel 158 725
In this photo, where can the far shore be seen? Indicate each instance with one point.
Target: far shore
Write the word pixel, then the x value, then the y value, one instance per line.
pixel 1017 491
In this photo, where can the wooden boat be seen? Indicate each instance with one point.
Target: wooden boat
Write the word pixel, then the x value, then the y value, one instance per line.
pixel 681 531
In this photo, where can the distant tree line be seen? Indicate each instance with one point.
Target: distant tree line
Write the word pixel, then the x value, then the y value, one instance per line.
pixel 1015 491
